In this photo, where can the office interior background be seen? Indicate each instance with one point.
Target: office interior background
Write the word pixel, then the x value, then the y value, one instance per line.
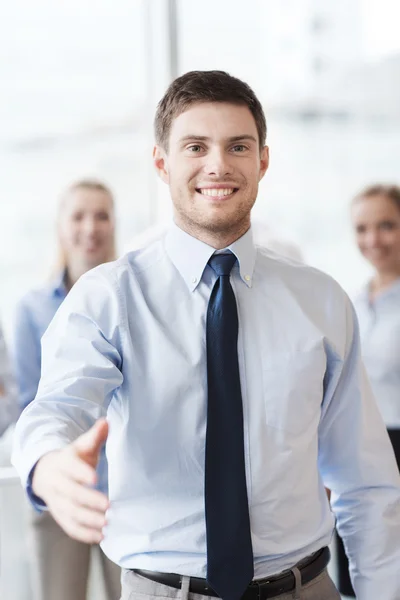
pixel 80 82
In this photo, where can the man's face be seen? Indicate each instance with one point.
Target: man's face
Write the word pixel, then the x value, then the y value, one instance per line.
pixel 213 166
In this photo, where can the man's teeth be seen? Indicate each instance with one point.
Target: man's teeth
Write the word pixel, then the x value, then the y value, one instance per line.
pixel 217 192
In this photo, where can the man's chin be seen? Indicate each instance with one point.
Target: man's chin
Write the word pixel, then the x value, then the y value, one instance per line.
pixel 223 224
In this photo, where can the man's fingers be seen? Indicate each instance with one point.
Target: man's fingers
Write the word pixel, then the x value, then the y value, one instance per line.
pixel 89 518
pixel 89 444
pixel 79 522
pixel 79 495
pixel 92 499
pixel 77 469
pixel 79 532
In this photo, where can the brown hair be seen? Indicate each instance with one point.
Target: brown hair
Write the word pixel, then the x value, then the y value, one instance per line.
pixel 205 86
pixel 389 191
pixel 82 184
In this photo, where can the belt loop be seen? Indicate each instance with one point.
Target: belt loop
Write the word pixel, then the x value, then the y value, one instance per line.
pixel 185 583
pixel 297 578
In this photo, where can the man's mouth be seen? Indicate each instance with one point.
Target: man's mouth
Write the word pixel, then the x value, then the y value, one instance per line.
pixel 217 192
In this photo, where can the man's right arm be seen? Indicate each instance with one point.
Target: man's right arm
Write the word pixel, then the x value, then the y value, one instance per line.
pixel 81 369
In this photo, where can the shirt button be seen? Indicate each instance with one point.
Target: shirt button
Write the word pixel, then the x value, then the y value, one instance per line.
pixel 247 277
pixel 194 279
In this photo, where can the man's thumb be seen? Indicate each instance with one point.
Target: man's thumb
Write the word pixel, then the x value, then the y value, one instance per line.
pixel 89 444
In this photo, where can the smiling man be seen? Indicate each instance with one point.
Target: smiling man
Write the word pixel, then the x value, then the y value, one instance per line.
pixel 233 389
pixel 213 178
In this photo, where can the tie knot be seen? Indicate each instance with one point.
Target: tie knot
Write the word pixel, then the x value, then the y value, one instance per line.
pixel 222 263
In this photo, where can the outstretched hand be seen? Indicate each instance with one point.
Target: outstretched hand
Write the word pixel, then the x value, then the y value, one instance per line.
pixel 63 479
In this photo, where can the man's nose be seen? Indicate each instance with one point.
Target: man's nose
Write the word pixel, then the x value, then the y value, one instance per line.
pixel 218 163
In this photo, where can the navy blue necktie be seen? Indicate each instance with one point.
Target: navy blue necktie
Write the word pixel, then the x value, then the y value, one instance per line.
pixel 229 550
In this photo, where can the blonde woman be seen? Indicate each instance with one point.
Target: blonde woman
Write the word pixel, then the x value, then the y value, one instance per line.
pixel 375 215
pixel 86 234
pixel 376 223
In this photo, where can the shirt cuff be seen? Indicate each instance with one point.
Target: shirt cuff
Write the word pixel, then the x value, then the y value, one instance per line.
pixel 36 502
pixel 26 468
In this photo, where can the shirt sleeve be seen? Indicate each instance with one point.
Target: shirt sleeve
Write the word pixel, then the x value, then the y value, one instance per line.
pixel 81 369
pixel 26 353
pixel 8 397
pixel 357 463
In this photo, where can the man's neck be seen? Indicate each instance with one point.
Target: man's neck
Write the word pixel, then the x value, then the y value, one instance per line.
pixel 215 239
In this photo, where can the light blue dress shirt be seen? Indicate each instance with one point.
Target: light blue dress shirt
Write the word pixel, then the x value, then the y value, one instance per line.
pixel 129 343
pixel 32 316
pixel 380 342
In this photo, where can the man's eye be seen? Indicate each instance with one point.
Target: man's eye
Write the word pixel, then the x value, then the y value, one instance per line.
pixel 239 148
pixel 195 148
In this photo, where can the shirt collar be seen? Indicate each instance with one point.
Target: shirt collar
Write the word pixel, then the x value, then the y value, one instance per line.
pixel 190 255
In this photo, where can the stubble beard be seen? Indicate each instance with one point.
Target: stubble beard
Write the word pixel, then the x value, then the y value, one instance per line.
pixel 231 224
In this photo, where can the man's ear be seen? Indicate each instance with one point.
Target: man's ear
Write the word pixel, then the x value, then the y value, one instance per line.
pixel 160 163
pixel 264 161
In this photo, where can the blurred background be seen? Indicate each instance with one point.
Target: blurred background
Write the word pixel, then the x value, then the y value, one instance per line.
pixel 80 82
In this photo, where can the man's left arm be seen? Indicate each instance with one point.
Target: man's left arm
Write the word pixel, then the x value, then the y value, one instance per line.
pixel 357 464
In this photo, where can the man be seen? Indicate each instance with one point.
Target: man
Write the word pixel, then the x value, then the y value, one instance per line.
pixel 233 389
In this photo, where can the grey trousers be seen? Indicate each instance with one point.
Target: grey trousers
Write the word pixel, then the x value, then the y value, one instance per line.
pixel 135 587
pixel 60 565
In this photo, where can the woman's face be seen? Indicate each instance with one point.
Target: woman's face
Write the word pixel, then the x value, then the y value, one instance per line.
pixel 376 222
pixel 86 227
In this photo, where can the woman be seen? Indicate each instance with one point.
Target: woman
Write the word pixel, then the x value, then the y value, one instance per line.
pixel 375 216
pixel 86 234
pixel 376 221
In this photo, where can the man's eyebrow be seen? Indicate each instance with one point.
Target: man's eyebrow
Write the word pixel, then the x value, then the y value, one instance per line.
pixel 242 138
pixel 193 136
pixel 204 138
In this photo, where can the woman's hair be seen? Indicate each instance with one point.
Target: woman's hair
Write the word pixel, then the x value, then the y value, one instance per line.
pixel 390 191
pixel 81 184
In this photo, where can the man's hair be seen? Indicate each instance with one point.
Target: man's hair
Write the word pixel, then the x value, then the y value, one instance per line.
pixel 390 191
pixel 205 86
